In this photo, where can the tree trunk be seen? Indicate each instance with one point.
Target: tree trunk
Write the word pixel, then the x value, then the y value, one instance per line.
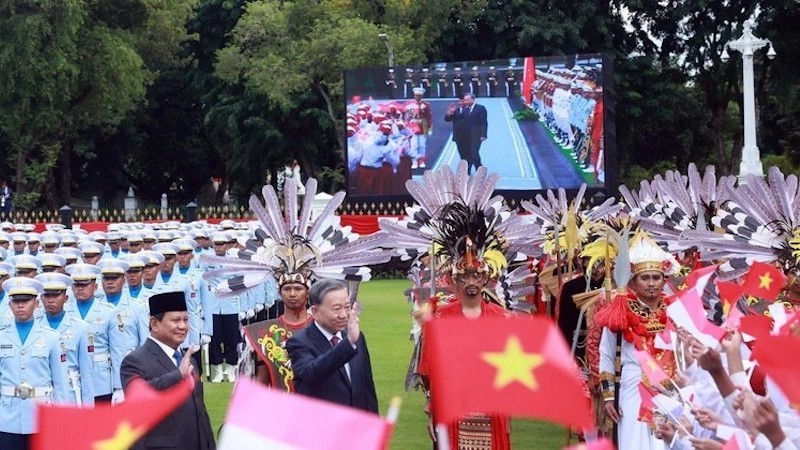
pixel 21 186
pixel 65 189
pixel 339 132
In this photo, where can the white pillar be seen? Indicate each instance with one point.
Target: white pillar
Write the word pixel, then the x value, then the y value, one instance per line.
pixel 747 44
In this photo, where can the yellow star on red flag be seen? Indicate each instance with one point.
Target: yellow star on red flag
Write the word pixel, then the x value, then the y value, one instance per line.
pixel 124 438
pixel 514 364
pixel 764 281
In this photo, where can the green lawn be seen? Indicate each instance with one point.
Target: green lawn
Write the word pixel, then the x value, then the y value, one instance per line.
pixel 386 323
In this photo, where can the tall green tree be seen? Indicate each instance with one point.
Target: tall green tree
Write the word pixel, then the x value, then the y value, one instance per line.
pixel 71 65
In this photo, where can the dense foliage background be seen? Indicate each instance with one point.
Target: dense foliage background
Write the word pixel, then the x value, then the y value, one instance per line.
pixel 162 95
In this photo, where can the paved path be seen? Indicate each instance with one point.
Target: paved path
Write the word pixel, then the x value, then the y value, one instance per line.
pixel 505 151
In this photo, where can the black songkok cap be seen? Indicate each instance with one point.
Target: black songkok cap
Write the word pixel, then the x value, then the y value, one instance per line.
pixel 166 302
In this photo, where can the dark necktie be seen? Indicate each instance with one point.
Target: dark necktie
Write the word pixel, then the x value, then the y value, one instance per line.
pixel 335 340
pixel 178 357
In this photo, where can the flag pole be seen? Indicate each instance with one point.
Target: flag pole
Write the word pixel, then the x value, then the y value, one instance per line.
pixel 559 275
pixel 391 419
pixel 432 262
pixel 394 410
pixel 442 437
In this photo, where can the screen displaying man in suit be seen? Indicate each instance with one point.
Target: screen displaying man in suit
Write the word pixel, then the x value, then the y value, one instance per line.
pixel 330 357
pixel 160 362
pixel 470 127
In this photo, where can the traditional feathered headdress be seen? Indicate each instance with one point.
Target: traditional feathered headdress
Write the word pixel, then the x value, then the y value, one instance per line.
pixel 459 220
pixel 411 236
pixel 566 225
pixel 667 206
pixel 760 222
pixel 466 240
pixel 293 248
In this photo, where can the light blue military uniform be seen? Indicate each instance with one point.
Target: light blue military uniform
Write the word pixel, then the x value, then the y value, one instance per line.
pixel 6 316
pixel 74 334
pixel 129 325
pixel 201 321
pixel 31 372
pixel 98 315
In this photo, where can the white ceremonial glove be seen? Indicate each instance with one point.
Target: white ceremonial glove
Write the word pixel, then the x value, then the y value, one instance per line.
pixel 117 397
pixel 259 307
pixel 251 313
pixel 242 315
pixel 205 339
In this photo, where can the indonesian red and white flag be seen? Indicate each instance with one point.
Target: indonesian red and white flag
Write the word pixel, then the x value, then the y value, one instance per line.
pixel 688 313
pixel 262 418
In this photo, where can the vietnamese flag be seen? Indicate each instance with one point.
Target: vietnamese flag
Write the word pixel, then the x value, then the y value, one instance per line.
pixel 517 366
pixel 779 356
pixel 756 325
pixel 647 404
pixel 650 367
pixel 729 291
pixel 764 281
pixel 107 427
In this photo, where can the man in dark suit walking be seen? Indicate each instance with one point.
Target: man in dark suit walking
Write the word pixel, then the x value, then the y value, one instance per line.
pixel 160 362
pixel 329 358
pixel 470 127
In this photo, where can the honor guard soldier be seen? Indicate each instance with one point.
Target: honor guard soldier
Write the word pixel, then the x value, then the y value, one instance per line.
pixel 441 83
pixel 150 274
pixel 135 242
pixel 409 83
pixel 26 265
pixel 5 240
pixel 426 79
pixel 511 81
pixel 134 276
pixel 199 304
pixel 72 255
pixel 6 315
pixel 69 240
pixel 32 366
pixel 74 336
pixel 50 241
pixel 91 252
pixel 458 83
pixel 128 327
pixel 391 83
pixel 52 262
pixel 18 243
pixel 149 240
pixel 226 313
pixel 34 242
pixel 491 82
pixel 114 245
pixel 475 81
pixel 97 313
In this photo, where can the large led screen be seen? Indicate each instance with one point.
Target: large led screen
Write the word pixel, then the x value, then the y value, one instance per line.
pixel 537 121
